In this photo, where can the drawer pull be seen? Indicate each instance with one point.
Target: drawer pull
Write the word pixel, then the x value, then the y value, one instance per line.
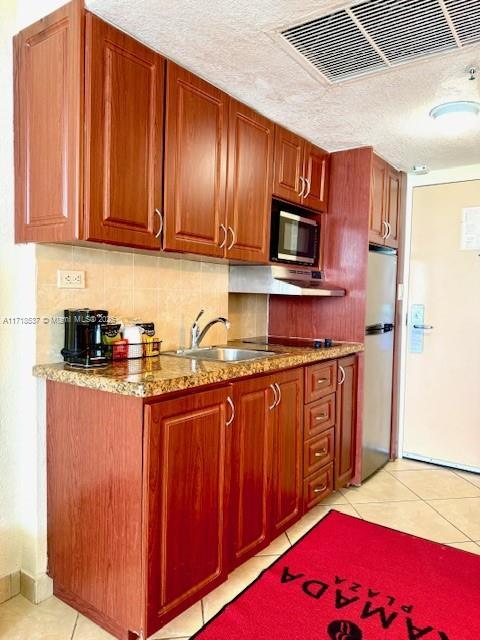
pixel 321 416
pixel 321 454
pixel 322 380
pixel 320 489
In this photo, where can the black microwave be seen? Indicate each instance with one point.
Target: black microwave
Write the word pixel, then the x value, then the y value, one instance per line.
pixel 294 237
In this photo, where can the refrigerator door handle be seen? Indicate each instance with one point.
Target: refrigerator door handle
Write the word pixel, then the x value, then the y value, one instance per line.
pixel 423 327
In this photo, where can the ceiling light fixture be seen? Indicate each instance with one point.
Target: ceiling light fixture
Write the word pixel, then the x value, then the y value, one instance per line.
pixel 458 116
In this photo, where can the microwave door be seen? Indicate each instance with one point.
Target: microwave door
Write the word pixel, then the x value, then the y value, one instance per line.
pixel 297 238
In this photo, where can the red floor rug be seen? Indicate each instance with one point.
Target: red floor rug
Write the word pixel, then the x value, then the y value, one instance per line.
pixel 348 579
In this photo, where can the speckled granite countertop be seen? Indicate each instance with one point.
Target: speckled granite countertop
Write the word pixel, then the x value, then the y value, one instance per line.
pixel 145 378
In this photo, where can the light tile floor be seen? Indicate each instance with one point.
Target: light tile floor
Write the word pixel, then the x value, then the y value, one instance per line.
pixel 418 498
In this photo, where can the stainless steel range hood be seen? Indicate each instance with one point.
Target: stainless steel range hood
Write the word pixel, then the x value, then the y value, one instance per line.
pixel 280 281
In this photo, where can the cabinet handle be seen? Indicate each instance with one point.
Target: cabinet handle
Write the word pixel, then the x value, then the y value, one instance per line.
pixel 275 397
pixel 232 407
pixel 322 380
pixel 389 230
pixel 305 195
pixel 234 238
pixel 224 241
pixel 277 387
pixel 321 454
pixel 385 233
pixel 342 372
pixel 302 180
pixel 322 416
pixel 320 489
pixel 160 224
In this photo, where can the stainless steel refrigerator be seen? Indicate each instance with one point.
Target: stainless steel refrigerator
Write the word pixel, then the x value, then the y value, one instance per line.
pixel 379 340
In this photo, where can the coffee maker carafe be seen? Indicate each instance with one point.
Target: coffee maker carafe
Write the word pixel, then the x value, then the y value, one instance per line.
pixel 83 337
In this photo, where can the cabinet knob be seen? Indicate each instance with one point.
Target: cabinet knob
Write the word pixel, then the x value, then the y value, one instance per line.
pixel 321 454
pixel 320 489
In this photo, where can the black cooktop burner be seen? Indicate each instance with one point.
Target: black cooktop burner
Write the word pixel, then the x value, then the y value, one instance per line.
pixel 312 343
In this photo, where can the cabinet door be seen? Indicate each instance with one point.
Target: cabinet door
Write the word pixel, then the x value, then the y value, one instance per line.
pixel 195 164
pixel 124 133
pixel 251 467
pixel 287 450
pixel 345 426
pixel 250 163
pixel 288 165
pixel 393 207
pixel 187 455
pixel 48 85
pixel 316 175
pixel 377 227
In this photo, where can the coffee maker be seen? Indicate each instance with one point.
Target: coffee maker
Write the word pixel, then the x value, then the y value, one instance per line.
pixel 83 337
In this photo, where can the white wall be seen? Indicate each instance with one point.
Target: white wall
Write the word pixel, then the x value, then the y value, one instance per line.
pixel 22 449
pixel 443 176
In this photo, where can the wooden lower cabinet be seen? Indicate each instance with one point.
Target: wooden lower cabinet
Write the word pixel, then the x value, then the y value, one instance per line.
pixel 266 460
pixel 187 447
pixel 287 451
pixel 345 426
pixel 251 463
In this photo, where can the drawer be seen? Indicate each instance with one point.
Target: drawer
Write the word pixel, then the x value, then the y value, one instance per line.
pixel 319 416
pixel 319 451
pixel 318 486
pixel 320 380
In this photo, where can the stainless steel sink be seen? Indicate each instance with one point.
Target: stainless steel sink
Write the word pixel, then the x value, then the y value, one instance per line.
pixel 222 354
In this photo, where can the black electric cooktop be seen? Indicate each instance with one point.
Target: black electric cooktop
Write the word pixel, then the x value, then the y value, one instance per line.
pixel 311 343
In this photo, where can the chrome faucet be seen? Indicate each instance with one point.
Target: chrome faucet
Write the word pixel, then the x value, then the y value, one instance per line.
pixel 198 335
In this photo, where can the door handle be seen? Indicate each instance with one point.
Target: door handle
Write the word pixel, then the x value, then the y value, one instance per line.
pixel 234 238
pixel 160 223
pixel 232 407
pixel 385 233
pixel 279 391
pixel 302 180
pixel 223 242
pixel 275 397
pixel 423 327
pixel 309 186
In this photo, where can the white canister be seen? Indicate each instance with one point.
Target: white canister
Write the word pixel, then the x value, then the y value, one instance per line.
pixel 133 333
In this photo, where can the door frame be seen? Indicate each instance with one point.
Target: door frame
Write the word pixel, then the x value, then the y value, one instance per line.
pixel 438 177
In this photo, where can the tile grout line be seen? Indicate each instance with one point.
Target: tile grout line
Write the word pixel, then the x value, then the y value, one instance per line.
pixel 74 626
pixel 436 510
pixel 457 473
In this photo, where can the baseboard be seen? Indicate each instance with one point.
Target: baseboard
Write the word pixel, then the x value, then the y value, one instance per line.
pixel 35 589
pixel 9 586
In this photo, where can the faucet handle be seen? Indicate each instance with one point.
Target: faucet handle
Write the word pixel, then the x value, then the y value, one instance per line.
pixel 202 311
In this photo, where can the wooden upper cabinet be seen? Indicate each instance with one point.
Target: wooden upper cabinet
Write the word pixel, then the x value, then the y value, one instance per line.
pixel 345 426
pixel 287 450
pixel 288 165
pixel 249 196
pixel 376 225
pixel 385 204
pixel 48 78
pixel 300 171
pixel 316 174
pixel 251 467
pixel 393 208
pixel 187 456
pixel 124 133
pixel 195 164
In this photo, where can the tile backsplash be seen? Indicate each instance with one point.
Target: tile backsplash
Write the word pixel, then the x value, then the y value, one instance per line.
pixel 167 291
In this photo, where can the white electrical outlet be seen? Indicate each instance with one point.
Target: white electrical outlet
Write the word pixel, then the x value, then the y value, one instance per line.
pixel 70 279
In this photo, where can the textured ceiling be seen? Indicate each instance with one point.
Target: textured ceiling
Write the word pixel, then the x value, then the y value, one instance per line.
pixel 229 43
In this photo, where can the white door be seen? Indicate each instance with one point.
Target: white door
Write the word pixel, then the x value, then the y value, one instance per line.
pixel 442 392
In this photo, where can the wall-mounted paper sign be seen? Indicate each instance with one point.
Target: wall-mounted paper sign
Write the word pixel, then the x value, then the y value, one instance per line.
pixel 470 229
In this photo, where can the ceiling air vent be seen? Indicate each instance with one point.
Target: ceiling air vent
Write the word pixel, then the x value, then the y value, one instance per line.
pixel 378 34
